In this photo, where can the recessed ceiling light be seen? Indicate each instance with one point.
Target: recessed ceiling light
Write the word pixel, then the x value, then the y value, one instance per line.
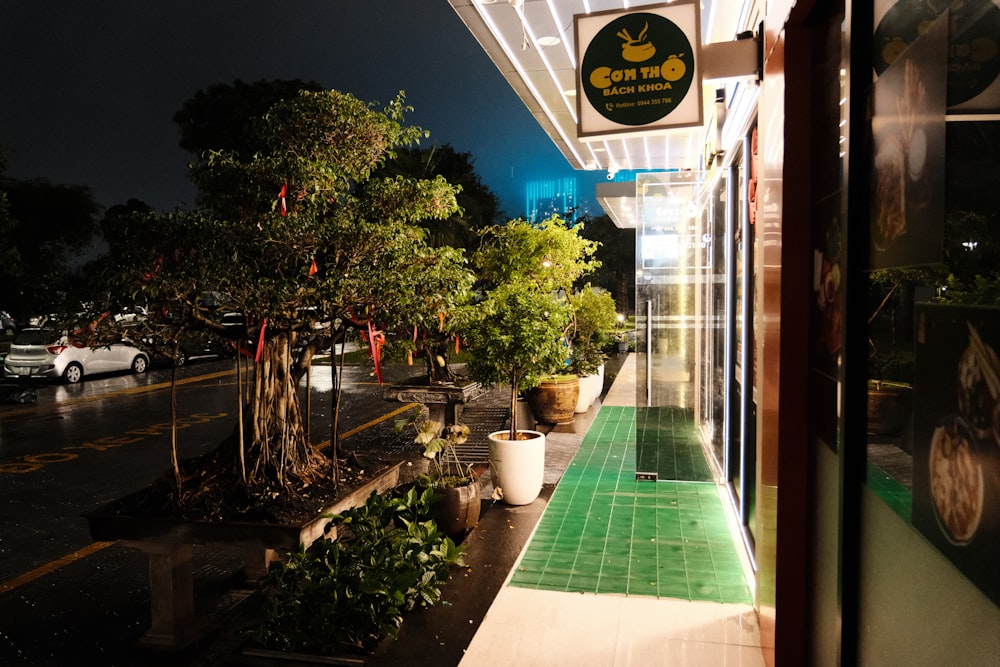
pixel 548 40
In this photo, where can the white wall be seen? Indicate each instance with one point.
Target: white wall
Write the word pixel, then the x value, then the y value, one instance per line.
pixel 916 607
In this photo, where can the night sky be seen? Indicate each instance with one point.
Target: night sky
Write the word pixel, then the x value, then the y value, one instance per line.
pixel 88 89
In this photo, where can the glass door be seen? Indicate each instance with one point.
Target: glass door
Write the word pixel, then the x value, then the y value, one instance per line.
pixel 715 378
pixel 741 452
pixel 670 276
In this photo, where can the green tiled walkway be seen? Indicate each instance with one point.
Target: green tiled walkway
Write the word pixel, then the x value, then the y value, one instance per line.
pixel 605 532
pixel 895 495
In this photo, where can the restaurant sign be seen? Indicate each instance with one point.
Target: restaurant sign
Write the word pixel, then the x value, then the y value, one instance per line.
pixel 638 70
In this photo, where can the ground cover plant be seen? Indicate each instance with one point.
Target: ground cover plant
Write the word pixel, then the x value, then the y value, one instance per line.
pixel 347 595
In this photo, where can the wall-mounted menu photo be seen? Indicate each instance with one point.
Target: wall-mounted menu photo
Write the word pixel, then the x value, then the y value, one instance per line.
pixel 956 437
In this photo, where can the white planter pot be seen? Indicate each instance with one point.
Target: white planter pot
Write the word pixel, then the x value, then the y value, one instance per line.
pixel 590 389
pixel 517 466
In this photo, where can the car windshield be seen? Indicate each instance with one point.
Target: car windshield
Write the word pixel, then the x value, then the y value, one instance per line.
pixel 35 337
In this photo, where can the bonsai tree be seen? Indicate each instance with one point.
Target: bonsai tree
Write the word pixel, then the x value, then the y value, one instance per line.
pixel 517 330
pixel 299 237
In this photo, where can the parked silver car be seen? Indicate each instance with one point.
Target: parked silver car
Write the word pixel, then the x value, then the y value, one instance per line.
pixel 43 353
pixel 7 323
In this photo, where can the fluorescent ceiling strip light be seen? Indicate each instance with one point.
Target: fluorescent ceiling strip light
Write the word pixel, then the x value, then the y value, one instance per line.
pixel 570 144
pixel 706 30
pixel 563 35
pixel 571 108
pixel 743 103
pixel 628 154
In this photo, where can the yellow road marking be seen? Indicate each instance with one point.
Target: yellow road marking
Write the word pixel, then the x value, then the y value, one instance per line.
pixel 379 420
pixel 118 392
pixel 51 567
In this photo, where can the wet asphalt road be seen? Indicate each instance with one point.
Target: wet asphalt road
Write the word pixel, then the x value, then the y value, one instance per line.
pixel 79 447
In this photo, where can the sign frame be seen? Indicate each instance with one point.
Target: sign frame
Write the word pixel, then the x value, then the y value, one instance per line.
pixel 637 89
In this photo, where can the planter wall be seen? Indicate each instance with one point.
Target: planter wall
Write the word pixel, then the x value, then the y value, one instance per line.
pixel 167 542
pixel 554 400
pixel 518 466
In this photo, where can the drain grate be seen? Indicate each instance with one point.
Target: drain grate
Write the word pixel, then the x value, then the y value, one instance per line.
pixel 481 422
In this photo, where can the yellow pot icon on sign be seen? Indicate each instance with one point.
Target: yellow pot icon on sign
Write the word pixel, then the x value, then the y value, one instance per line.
pixel 673 68
pixel 636 50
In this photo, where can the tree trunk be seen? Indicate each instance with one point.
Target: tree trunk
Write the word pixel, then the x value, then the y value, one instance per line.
pixel 437 355
pixel 279 454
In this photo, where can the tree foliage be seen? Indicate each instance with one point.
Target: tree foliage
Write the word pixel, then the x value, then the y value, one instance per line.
pixel 478 206
pixel 616 253
pixel 299 237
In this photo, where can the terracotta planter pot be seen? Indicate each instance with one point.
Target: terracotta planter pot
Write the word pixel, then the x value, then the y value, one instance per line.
pixel 889 407
pixel 518 466
pixel 458 512
pixel 554 400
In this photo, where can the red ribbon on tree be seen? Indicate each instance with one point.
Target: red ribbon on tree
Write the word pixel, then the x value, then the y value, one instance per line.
pixel 375 342
pixel 313 269
pixel 260 341
pixel 157 263
pixel 281 196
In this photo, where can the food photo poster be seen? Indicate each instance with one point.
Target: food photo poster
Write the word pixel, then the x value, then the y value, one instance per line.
pixel 956 437
pixel 908 143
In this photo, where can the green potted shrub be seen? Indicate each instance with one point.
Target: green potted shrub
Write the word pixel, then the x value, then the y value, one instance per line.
pixel 594 316
pixel 516 332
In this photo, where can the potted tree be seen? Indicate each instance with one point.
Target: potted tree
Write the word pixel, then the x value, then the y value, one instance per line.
pixel 516 331
pixel 301 240
pixel 594 315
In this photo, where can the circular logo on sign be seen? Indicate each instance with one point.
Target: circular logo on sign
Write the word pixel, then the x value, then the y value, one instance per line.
pixel 637 69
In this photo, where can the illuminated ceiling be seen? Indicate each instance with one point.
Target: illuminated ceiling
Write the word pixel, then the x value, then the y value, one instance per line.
pixel 532 44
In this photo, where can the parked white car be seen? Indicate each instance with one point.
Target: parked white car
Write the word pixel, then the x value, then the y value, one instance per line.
pixel 43 353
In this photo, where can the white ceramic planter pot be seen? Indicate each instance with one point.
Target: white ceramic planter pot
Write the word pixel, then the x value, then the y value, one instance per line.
pixel 590 389
pixel 518 466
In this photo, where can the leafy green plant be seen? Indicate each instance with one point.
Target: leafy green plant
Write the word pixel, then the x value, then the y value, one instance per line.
pixel 348 594
pixel 439 443
pixel 594 317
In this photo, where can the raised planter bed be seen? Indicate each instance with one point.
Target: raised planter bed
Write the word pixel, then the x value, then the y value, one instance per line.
pixel 168 541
